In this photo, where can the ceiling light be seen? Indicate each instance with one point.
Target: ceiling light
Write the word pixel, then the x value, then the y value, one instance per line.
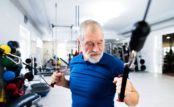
pixel 117 39
pixel 105 10
pixel 168 37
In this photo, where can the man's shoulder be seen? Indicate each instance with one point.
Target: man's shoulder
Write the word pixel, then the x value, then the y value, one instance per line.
pixel 110 57
pixel 111 60
pixel 115 64
pixel 76 58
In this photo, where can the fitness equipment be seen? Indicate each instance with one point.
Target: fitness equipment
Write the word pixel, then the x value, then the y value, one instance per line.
pixel 58 67
pixel 8 75
pixel 29 76
pixel 11 87
pixel 6 62
pixel 53 65
pixel 27 100
pixel 28 60
pixel 40 88
pixel 5 49
pixel 12 94
pixel 13 45
pixel 15 68
pixel 138 37
pixel 142 63
pixel 12 65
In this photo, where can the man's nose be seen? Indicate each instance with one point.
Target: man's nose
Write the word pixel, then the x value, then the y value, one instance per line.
pixel 95 48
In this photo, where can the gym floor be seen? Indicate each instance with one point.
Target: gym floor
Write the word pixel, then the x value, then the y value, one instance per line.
pixel 156 90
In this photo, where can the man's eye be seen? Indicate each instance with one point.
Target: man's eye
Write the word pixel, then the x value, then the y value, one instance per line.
pixel 89 44
pixel 99 43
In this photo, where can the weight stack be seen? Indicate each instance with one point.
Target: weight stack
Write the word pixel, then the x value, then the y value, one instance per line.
pixel 142 65
pixel 136 65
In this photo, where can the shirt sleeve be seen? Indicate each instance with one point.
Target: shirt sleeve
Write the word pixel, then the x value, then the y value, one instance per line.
pixel 118 67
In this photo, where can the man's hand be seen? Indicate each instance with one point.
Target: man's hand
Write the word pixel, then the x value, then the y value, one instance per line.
pixel 58 78
pixel 131 95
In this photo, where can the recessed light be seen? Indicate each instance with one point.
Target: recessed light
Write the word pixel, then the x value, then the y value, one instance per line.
pixel 168 37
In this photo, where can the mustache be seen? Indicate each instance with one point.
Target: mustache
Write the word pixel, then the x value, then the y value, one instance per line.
pixel 94 53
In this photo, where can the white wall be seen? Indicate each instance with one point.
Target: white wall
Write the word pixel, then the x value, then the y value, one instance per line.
pixel 153 51
pixel 47 51
pixel 11 18
pixel 10 21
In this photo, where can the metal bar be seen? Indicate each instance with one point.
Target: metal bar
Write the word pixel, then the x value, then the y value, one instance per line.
pixel 147 9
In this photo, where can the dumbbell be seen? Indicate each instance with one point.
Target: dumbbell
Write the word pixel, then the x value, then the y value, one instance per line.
pixel 5 49
pixel 28 60
pixel 13 45
pixel 9 75
pixel 142 61
pixel 12 90
pixel 6 62
pixel 29 76
pixel 11 87
pixel 15 68
pixel 143 67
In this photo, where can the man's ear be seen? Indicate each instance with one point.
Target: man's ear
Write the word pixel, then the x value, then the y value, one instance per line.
pixel 78 41
pixel 78 44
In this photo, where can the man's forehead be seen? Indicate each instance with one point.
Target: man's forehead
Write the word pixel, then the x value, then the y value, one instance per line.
pixel 95 40
pixel 97 33
pixel 90 36
pixel 93 29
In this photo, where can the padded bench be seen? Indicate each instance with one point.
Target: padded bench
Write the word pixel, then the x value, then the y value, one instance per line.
pixel 27 100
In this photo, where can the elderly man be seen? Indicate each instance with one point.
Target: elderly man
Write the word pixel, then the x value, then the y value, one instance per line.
pixel 94 74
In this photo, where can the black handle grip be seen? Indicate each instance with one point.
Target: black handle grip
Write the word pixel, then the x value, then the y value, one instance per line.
pixel 52 84
pixel 123 85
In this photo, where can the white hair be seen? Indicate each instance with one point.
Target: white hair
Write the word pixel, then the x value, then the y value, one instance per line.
pixel 93 24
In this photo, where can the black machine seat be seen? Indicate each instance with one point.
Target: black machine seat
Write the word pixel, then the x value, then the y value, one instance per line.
pixel 26 100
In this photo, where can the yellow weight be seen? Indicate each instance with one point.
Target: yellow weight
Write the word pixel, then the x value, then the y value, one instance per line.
pixel 6 49
pixel 2 96
pixel 58 61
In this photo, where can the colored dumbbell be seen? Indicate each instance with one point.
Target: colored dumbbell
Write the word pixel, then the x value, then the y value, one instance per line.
pixel 29 76
pixel 9 75
pixel 6 62
pixel 11 87
pixel 5 48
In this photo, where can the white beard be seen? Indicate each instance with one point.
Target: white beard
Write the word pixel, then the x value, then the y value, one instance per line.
pixel 94 60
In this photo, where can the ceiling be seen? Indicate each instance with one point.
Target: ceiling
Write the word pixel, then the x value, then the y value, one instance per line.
pixel 114 15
